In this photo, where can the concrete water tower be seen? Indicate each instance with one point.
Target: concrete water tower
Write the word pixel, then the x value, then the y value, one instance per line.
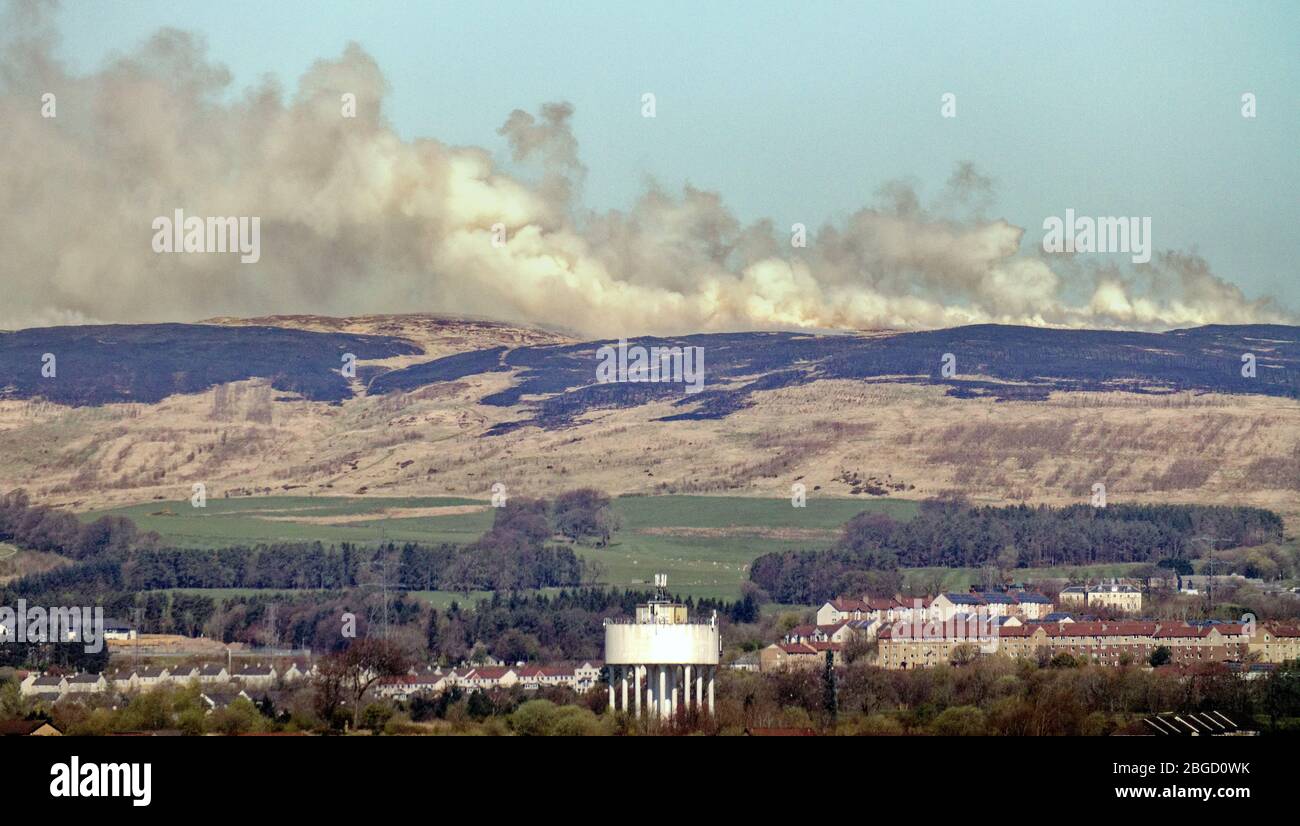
pixel 663 653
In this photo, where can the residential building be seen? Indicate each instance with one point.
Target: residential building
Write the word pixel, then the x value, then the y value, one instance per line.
pixel 1103 642
pixel 1276 643
pixel 28 728
pixel 87 684
pixel 150 678
pixel 184 673
pixel 492 676
pixel 115 629
pixel 213 674
pixel 216 699
pixel 1112 594
pixel 842 609
pixel 798 655
pixel 37 685
pixel 255 676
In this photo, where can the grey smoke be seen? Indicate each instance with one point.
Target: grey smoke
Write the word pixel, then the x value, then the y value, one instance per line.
pixel 355 220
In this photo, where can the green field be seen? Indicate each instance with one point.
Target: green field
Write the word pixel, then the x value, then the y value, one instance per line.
pixel 262 520
pixel 703 543
pixel 960 579
pixel 438 599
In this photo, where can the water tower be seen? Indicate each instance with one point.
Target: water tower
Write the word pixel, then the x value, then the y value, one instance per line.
pixel 663 653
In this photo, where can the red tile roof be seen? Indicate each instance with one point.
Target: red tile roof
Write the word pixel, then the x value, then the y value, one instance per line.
pixel 797 648
pixel 1179 632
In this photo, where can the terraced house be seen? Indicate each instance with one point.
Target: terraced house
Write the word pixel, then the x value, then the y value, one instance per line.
pixel 1276 643
pixel 581 678
pixel 1105 643
pixel 1015 602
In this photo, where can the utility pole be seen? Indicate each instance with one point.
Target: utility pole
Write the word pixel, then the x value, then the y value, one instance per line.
pixel 382 566
pixel 135 649
pixel 1210 541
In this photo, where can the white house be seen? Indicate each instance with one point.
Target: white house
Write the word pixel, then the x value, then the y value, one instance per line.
pixel 298 672
pixel 183 674
pixel 36 685
pixel 115 629
pixel 87 684
pixel 587 674
pixel 149 678
pixel 256 676
pixel 215 699
pixel 213 674
pixel 122 681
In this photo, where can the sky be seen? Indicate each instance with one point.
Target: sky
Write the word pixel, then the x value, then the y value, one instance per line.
pixel 802 112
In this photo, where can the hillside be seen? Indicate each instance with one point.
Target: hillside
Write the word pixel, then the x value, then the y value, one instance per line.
pixel 442 407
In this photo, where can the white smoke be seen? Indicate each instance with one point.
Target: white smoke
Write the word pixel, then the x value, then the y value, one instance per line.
pixel 356 220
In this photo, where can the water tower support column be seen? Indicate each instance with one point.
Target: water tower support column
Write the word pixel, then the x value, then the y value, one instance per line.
pixel 661 696
pixel 712 673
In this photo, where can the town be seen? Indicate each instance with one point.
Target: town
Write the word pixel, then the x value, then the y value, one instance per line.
pixel 930 631
pixel 661 665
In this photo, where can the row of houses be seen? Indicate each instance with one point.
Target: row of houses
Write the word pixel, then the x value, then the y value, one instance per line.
pixel 580 677
pixel 1102 642
pixel 1024 604
pixel 259 676
pixel 1120 595
pixel 843 618
pixel 906 645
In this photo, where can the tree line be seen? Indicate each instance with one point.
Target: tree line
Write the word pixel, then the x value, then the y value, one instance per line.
pixel 43 528
pixel 952 534
pixel 516 552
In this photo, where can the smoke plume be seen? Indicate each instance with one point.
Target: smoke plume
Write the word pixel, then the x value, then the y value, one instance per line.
pixel 355 220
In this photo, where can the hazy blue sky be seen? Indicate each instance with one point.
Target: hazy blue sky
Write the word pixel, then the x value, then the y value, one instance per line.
pixel 799 111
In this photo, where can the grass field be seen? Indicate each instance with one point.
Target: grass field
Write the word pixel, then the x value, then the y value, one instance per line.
pixel 289 519
pixel 703 543
pixel 960 579
pixel 438 599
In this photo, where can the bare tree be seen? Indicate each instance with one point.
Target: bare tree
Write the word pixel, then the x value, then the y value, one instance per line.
pixel 352 672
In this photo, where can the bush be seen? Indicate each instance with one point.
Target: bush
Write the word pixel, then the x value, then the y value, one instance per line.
pixel 876 725
pixel 375 716
pixel 960 721
pixel 535 718
pixel 240 717
pixel 1064 660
